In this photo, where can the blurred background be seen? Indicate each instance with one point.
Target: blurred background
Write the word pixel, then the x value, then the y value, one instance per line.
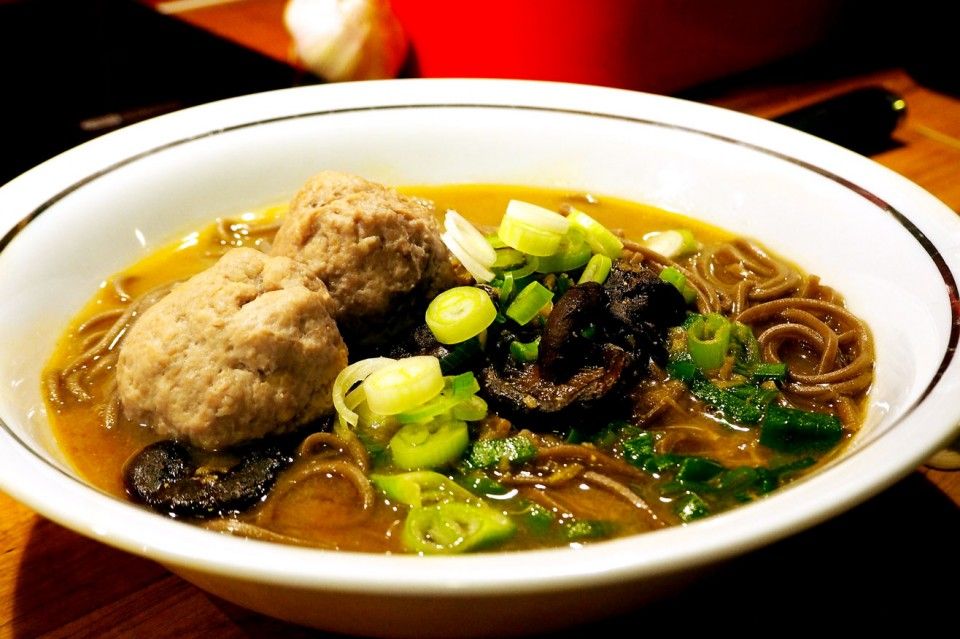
pixel 74 69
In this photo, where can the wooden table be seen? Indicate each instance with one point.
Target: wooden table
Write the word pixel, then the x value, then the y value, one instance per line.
pixel 893 550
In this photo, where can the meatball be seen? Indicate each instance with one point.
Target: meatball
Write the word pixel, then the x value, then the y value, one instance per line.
pixel 241 350
pixel 378 252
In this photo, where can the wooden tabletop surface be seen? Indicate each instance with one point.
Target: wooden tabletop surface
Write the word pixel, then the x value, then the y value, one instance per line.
pixel 894 549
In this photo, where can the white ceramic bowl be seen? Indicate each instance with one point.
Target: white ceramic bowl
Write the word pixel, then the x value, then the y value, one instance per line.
pixel 889 246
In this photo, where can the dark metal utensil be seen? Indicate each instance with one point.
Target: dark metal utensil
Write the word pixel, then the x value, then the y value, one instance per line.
pixel 861 120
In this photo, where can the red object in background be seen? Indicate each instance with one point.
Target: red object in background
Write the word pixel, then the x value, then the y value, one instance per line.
pixel 652 45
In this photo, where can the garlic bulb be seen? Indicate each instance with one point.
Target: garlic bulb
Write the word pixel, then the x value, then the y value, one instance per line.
pixel 346 39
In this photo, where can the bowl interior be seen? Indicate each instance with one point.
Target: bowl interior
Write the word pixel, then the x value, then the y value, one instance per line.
pixel 99 208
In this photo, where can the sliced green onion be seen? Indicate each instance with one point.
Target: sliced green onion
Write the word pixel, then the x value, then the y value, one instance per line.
pixel 572 253
pixel 467 235
pixel 479 272
pixel 346 380
pixel 672 275
pixel 472 409
pixel 525 269
pixel 429 444
pixel 673 243
pixel 464 385
pixel 528 303
pixel 529 239
pixel 454 527
pixel 597 269
pixel 506 289
pixel 459 389
pixel 601 239
pixel 420 488
pixel 460 313
pixel 708 338
pixel 525 352
pixel 536 216
pixel 508 258
pixel 403 384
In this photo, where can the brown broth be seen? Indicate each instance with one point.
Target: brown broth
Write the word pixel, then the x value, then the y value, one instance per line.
pixel 98 453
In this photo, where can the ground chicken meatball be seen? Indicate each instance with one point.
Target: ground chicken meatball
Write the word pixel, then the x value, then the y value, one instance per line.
pixel 378 252
pixel 241 350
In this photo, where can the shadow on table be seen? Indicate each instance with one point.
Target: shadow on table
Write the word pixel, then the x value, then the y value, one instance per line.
pixel 892 559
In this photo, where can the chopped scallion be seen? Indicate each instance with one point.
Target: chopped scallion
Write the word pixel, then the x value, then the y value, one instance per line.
pixel 460 313
pixel 596 270
pixel 601 239
pixel 525 352
pixel 528 303
pixel 403 384
pixel 708 338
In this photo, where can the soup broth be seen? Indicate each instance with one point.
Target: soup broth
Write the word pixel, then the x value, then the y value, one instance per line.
pixel 675 454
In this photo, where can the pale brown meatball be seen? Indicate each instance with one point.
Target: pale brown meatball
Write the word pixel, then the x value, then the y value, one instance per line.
pixel 378 252
pixel 241 350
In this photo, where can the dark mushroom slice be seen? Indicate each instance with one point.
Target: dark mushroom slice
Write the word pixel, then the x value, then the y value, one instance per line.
pixel 563 346
pixel 525 393
pixel 165 477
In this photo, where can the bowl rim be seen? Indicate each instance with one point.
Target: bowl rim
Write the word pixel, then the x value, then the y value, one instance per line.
pixel 123 525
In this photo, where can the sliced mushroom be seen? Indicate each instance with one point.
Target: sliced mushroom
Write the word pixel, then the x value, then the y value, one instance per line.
pixel 165 477
pixel 524 391
pixel 563 349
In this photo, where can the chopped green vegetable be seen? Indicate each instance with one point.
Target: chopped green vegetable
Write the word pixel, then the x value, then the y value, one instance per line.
pixel 673 243
pixel 597 270
pixel 479 484
pixel 459 313
pixel 403 384
pixel 525 352
pixel 682 368
pixel 589 529
pixel 725 402
pixel 793 431
pixel 638 449
pixel 454 527
pixel 419 488
pixel 691 507
pixel 457 397
pixel 672 275
pixel 487 453
pixel 698 469
pixel 472 409
pixel 572 253
pixel 775 371
pixel 601 240
pixel 429 444
pixel 529 302
pixel 708 338
pixel 532 229
pixel 536 518
pixel 506 289
pixel 508 259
